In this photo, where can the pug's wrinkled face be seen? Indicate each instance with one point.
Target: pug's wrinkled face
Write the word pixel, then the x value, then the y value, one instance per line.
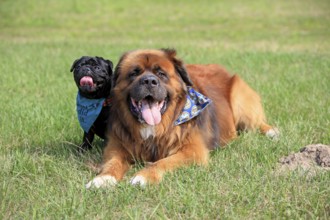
pixel 93 76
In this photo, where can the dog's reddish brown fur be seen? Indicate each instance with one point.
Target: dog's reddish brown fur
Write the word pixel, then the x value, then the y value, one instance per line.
pixel 234 106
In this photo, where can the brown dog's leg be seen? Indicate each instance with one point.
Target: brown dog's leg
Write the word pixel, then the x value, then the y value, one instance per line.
pixel 114 167
pixel 193 152
pixel 247 108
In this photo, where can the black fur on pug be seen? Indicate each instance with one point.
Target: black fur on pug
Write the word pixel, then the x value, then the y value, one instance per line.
pixel 93 79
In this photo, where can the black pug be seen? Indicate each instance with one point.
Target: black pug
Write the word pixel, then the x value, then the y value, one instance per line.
pixel 93 78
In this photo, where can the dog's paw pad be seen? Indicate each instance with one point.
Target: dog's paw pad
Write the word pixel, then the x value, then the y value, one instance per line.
pixel 273 133
pixel 138 181
pixel 101 181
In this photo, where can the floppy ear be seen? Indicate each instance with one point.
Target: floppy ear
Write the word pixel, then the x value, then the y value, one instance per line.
pixel 179 66
pixel 109 63
pixel 74 64
pixel 116 73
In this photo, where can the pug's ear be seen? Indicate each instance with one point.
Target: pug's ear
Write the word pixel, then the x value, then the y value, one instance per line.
pixel 179 66
pixel 74 64
pixel 109 63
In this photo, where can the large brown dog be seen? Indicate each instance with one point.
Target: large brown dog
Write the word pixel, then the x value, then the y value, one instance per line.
pixel 151 90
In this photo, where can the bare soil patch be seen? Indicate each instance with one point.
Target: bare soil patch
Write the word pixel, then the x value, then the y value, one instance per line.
pixel 311 159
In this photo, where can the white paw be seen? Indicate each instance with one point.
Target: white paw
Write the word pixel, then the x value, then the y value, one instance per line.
pixel 138 180
pixel 273 133
pixel 102 181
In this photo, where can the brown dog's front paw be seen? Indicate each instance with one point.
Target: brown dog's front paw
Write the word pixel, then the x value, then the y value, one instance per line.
pixel 146 176
pixel 138 181
pixel 102 182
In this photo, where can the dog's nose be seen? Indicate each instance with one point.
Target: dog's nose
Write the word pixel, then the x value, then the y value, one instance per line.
pixel 149 80
pixel 86 70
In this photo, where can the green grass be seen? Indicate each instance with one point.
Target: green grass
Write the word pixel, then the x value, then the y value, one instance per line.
pixel 281 48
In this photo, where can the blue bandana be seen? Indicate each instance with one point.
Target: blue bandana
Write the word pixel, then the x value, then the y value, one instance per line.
pixel 195 104
pixel 88 110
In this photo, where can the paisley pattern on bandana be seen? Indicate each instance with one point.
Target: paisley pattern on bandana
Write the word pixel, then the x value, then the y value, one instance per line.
pixel 195 104
pixel 88 110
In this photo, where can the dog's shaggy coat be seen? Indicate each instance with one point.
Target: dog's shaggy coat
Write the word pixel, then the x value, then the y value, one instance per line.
pixel 150 90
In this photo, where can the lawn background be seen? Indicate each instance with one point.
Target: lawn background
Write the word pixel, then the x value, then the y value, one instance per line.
pixel 281 48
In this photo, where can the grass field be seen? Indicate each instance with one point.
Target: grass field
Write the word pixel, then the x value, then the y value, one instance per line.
pixel 281 48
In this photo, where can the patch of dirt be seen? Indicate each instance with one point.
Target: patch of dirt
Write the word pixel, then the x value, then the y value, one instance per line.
pixel 310 159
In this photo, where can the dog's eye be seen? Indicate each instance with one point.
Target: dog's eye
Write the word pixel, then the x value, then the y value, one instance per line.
pixel 161 74
pixel 97 68
pixel 134 73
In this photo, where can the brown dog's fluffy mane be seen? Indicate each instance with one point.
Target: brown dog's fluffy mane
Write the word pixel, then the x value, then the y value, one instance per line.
pixel 126 129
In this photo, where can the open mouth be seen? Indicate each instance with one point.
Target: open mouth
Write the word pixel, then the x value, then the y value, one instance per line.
pixel 87 83
pixel 148 110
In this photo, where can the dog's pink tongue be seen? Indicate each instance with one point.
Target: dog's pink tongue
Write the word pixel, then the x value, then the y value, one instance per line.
pixel 151 112
pixel 86 80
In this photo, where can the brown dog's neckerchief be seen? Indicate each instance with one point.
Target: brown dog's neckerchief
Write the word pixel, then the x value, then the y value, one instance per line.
pixel 195 104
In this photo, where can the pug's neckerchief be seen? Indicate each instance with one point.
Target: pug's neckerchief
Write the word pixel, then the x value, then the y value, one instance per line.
pixel 88 110
pixel 195 104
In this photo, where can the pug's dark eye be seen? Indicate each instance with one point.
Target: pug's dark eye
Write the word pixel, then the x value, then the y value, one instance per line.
pixel 78 66
pixel 97 68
